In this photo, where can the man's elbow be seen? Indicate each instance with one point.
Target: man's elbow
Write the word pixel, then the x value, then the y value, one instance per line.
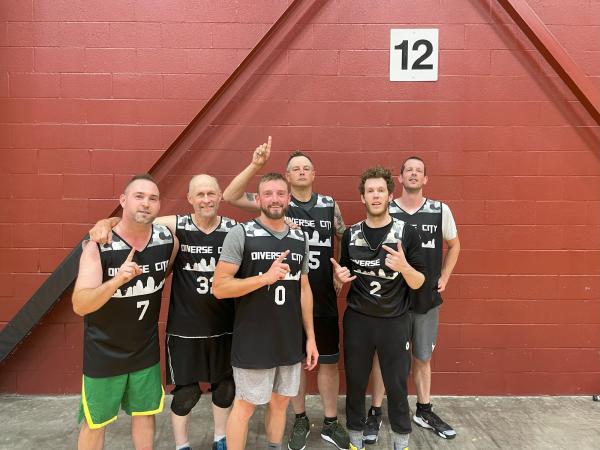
pixel 217 290
pixel 228 196
pixel 77 308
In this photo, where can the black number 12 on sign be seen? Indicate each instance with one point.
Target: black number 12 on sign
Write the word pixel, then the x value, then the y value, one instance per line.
pixel 414 55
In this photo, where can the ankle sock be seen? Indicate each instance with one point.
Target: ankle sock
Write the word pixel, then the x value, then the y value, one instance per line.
pixel 423 406
pixel 179 447
pixel 301 415
pixel 272 446
pixel 329 420
pixel 376 410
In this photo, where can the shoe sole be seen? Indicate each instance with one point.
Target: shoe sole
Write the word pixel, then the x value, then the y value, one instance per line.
pixel 424 424
pixel 290 448
pixel 328 439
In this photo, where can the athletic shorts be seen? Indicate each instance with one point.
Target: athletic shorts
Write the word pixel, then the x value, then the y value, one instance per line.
pixel 138 393
pixel 327 336
pixel 256 385
pixel 190 360
pixel 424 333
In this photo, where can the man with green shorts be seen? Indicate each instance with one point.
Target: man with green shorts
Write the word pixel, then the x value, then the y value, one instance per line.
pixel 118 293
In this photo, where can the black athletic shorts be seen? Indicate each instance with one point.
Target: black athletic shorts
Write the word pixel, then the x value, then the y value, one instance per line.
pixel 192 360
pixel 327 335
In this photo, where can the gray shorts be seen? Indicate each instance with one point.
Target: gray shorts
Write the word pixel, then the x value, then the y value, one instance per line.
pixel 256 385
pixel 424 333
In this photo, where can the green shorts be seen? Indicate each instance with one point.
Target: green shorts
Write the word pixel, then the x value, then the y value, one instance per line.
pixel 138 393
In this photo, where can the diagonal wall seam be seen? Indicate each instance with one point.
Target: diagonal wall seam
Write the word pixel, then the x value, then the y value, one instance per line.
pixel 558 58
pixel 50 292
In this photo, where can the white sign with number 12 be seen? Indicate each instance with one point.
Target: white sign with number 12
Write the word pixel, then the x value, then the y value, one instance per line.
pixel 414 54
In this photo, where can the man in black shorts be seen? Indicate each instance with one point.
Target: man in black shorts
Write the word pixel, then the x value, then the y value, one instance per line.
pixel 118 293
pixel 199 327
pixel 435 224
pixel 319 216
pixel 382 257
pixel 264 265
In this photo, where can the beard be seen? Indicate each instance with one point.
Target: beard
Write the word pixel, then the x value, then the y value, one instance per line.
pixel 274 215
pixel 380 212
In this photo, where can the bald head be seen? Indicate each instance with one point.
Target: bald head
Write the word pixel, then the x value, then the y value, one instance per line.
pixel 205 181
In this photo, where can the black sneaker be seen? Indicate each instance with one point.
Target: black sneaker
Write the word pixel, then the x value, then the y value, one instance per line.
pixel 371 430
pixel 300 432
pixel 429 419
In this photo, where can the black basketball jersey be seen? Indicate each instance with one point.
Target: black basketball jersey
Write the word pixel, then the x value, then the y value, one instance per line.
pixel 428 222
pixel 316 220
pixel 267 330
pixel 377 290
pixel 193 309
pixel 122 336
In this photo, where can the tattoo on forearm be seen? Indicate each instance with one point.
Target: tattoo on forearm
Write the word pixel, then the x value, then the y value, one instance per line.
pixel 338 221
pixel 250 196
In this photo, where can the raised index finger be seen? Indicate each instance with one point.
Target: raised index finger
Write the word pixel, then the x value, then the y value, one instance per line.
pixel 130 256
pixel 269 140
pixel 282 256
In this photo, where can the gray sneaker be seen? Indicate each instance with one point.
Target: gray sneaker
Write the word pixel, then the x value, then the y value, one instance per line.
pixel 300 432
pixel 336 434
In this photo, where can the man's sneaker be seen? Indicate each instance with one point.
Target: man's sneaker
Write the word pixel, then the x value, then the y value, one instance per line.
pixel 372 425
pixel 353 447
pixel 336 434
pixel 300 432
pixel 221 444
pixel 429 419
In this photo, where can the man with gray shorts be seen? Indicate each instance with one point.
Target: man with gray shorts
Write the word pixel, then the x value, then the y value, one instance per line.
pixel 435 223
pixel 264 265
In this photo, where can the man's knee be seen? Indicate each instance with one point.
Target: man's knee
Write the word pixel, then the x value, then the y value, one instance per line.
pixel 329 369
pixel 278 401
pixel 223 392
pixel 185 398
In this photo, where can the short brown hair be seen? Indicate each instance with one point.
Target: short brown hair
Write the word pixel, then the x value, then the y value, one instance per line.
pixel 140 176
pixel 296 154
pixel 418 159
pixel 376 172
pixel 272 176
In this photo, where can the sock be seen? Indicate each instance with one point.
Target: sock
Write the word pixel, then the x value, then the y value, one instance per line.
pixel 329 420
pixel 272 446
pixel 356 438
pixel 400 441
pixel 179 447
pixel 376 410
pixel 301 415
pixel 423 406
pixel 218 437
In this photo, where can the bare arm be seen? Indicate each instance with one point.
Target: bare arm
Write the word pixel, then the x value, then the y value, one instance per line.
pixel 173 254
pixel 225 285
pixel 90 294
pixel 449 262
pixel 306 303
pixel 235 193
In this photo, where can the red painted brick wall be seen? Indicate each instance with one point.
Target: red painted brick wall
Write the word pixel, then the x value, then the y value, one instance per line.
pixel 93 91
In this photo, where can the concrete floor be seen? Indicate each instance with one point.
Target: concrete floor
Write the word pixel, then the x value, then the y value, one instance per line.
pixel 484 423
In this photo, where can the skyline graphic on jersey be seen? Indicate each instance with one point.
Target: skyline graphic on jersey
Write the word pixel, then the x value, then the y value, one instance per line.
pixel 428 244
pixel 296 276
pixel 379 274
pixel 315 240
pixel 202 265
pixel 139 289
